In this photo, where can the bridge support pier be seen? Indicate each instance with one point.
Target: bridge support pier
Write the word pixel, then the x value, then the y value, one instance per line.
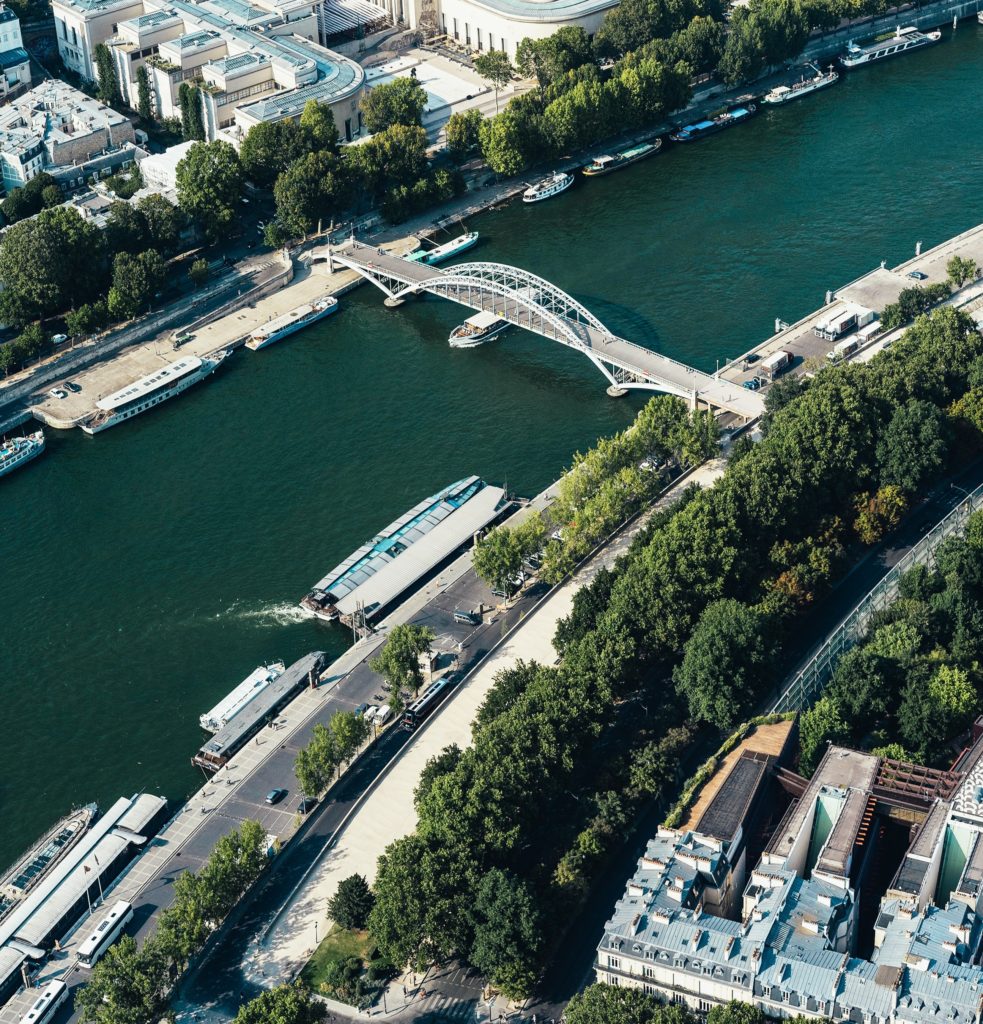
pixel 615 392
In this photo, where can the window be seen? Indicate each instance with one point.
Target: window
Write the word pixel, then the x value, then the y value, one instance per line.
pixel 348 129
pixel 443 23
pixel 467 34
pixel 456 36
pixel 491 46
pixel 705 1006
pixel 614 962
pixel 478 31
pixel 648 972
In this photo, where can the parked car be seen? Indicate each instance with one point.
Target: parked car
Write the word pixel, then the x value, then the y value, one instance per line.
pixel 73 387
pixel 753 384
pixel 917 275
pixel 361 709
pixel 59 339
pixel 275 796
pixel 307 805
pixel 58 393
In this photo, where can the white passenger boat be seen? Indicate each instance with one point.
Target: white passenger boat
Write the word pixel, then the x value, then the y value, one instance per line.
pixel 548 187
pixel 476 330
pixel 290 323
pixel 786 93
pixel 446 251
pixel 241 697
pixel 902 41
pixel 17 451
pixel 151 390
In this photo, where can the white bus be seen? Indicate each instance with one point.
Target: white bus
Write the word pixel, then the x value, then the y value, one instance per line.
pixel 105 934
pixel 46 1005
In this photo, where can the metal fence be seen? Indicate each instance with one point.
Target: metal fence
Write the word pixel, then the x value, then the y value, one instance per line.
pixel 809 681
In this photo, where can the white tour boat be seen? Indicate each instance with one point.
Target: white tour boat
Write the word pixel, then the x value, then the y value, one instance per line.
pixel 548 187
pixel 476 330
pixel 902 41
pixel 290 323
pixel 17 451
pixel 785 93
pixel 151 390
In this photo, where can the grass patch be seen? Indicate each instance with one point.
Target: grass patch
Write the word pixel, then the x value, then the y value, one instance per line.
pixel 337 945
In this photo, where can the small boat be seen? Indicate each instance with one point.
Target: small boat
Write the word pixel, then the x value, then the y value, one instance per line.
pixel 290 323
pixel 18 451
pixel 607 164
pixel 785 93
pixel 446 251
pixel 558 182
pixel 476 330
pixel 903 40
pixel 700 130
pixel 979 17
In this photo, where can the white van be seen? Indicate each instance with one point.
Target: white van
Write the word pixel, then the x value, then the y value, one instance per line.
pixel 842 349
pixel 382 715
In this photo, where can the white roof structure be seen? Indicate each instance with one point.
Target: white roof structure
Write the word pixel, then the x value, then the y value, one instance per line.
pixel 152 382
pixel 159 170
pixel 483 320
pixel 243 695
pixel 456 529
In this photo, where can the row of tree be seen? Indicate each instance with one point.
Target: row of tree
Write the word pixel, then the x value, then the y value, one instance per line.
pixel 706 596
pixel 130 985
pixel 914 683
pixel 329 747
pixel 604 487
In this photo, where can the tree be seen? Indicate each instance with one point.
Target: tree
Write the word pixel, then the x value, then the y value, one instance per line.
pixel 495 67
pixel 316 763
pixel 401 101
pixel 735 1012
pixel 507 935
pixel 143 94
pixel 198 273
pixel 822 724
pixel 935 707
pixel 269 148
pixel 209 186
pixel 287 1004
pixel 50 263
pixel 396 156
pixel 163 220
pixel 915 446
pixel 512 140
pixel 399 661
pixel 784 390
pixel 616 1004
pixel 497 559
pixel 126 986
pixel 463 133
pixel 192 120
pixel 551 58
pixel 440 764
pixel 960 271
pixel 126 228
pixel 29 199
pixel 86 319
pixel 309 190
pixel 726 663
pixel 352 903
pixel 136 281
pixel 743 55
pixel 879 513
pixel 318 124
pixel 108 90
pixel 349 731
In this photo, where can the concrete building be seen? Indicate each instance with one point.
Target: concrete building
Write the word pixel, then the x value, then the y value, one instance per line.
pixel 57 127
pixel 248 61
pixel 793 948
pixel 159 171
pixel 15 64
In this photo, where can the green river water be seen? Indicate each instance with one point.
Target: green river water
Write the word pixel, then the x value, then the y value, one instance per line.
pixel 146 571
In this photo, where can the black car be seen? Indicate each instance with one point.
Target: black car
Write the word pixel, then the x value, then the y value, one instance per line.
pixel 72 386
pixel 917 275
pixel 275 796
pixel 307 804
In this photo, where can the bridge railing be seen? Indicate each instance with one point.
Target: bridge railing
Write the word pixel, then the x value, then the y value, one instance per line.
pixel 811 679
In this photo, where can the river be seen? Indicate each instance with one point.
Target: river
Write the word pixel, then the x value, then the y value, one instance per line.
pixel 147 570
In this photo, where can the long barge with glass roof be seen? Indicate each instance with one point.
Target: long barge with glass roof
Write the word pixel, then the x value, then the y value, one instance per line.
pixel 406 551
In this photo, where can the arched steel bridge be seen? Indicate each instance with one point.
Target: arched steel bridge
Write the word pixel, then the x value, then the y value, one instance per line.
pixel 536 305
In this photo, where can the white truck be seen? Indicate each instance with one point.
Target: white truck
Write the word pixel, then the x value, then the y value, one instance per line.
pixel 777 363
pixel 841 321
pixel 842 349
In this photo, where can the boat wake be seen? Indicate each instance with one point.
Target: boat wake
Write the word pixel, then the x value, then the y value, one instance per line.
pixel 279 614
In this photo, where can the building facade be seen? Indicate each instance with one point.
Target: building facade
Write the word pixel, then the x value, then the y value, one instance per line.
pixel 246 61
pixel 791 949
pixel 15 64
pixel 57 128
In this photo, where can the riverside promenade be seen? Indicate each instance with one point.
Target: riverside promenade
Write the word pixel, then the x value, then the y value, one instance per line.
pixel 280 947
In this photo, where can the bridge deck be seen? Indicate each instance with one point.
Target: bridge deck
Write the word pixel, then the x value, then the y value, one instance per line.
pixel 646 366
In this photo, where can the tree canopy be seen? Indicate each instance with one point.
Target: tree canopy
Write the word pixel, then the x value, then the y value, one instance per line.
pixel 399 102
pixel 209 186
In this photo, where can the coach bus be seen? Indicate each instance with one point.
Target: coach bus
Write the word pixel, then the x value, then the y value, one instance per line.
pixel 44 1008
pixel 105 934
